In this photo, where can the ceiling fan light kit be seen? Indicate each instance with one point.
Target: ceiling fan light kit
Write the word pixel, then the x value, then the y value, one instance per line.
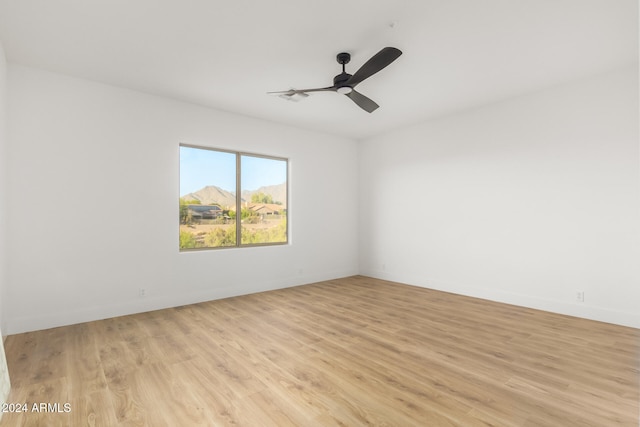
pixel 345 83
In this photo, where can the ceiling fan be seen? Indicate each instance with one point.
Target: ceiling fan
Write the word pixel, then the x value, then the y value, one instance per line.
pixel 345 83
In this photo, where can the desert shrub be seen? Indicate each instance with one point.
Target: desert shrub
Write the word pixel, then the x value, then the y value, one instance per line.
pixel 187 240
pixel 275 234
pixel 221 237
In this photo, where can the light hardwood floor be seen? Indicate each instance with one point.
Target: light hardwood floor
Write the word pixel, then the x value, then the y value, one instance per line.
pixel 354 351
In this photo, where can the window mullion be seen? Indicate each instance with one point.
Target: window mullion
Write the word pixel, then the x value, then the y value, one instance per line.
pixel 238 201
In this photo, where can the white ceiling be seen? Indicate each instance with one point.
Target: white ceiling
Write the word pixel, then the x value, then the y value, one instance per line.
pixel 458 54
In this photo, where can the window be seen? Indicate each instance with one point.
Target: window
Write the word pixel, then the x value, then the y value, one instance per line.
pixel 230 199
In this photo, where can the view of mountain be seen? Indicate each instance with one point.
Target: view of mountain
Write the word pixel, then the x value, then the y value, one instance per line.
pixel 277 192
pixel 211 195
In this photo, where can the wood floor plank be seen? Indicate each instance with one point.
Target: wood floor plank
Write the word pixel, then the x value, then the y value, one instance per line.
pixel 351 351
pixel 94 409
pixel 84 370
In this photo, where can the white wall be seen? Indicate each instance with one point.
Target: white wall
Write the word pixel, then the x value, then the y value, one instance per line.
pixel 94 190
pixel 3 180
pixel 4 372
pixel 526 201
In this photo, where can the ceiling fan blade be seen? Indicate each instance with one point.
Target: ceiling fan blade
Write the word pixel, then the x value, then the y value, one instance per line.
pixel 363 102
pixel 293 91
pixel 376 63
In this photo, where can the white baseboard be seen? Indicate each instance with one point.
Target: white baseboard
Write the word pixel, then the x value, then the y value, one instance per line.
pixel 582 310
pixel 150 303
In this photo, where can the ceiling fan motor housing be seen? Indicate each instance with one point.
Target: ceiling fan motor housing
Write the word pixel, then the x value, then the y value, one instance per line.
pixel 340 79
pixel 340 83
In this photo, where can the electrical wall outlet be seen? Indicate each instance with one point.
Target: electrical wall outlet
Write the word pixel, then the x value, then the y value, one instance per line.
pixel 142 292
pixel 579 296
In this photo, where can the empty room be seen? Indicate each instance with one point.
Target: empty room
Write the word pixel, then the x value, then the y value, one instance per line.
pixel 336 213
